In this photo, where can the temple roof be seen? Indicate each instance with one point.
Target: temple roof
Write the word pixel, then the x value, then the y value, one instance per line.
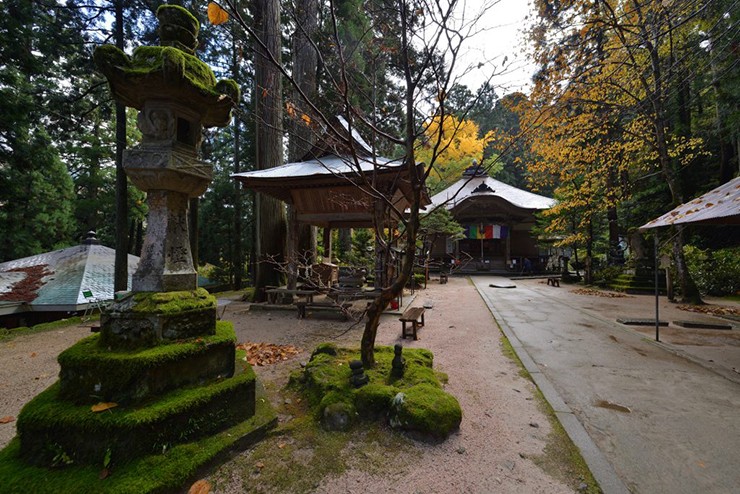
pixel 484 186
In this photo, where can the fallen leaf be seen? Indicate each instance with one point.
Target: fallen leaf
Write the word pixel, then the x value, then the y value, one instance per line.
pixel 7 420
pixel 281 445
pixel 216 14
pixel 260 465
pixel 33 354
pixel 200 487
pixel 103 406
pixel 104 474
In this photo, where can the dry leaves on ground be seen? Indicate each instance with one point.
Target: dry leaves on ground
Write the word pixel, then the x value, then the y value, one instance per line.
pixel 7 420
pixel 103 406
pixel 200 487
pixel 712 310
pixel 598 293
pixel 267 353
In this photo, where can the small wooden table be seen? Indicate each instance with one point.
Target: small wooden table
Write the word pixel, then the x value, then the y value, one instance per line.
pixel 275 294
pixel 414 315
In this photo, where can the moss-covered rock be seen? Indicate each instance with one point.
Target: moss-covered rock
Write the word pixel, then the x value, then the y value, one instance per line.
pixel 426 410
pixel 172 302
pixel 374 400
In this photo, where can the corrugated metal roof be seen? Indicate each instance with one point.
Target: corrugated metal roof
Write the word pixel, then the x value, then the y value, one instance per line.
pixel 326 166
pixel 485 186
pixel 71 270
pixel 718 206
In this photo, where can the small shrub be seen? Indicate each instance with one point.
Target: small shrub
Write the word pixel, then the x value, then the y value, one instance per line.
pixel 606 275
pixel 714 272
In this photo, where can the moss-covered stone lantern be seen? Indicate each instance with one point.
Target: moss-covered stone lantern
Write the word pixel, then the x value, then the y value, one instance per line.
pixel 177 96
pixel 159 391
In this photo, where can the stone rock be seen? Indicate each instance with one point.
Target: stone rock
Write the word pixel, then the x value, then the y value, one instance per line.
pixel 337 417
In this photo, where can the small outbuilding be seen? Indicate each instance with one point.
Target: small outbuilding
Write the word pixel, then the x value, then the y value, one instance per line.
pixel 50 286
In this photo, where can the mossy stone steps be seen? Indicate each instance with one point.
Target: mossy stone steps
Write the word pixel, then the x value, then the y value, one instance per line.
pixel 50 428
pixel 168 470
pixel 637 283
pixel 91 372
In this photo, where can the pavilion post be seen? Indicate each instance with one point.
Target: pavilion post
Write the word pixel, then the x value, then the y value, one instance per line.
pixel 657 290
pixel 327 244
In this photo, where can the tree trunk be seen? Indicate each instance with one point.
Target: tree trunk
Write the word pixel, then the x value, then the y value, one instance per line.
pixel 120 278
pixel 237 263
pixel 305 68
pixel 268 114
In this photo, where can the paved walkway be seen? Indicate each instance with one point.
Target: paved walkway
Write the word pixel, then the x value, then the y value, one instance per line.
pixel 663 423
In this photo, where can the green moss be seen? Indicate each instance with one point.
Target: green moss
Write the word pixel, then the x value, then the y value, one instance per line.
pixel 161 472
pixel 374 400
pixel 180 16
pixel 426 409
pixel 173 302
pixel 327 381
pixel 327 348
pixel 128 363
pixel 8 334
pixel 178 416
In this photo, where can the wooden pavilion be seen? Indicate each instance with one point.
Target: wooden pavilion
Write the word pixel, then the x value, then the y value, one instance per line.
pixel 340 183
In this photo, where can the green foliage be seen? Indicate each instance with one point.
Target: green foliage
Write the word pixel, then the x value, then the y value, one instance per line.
pixel 715 272
pixel 606 275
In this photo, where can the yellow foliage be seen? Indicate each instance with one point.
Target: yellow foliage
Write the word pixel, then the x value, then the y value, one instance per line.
pixel 450 145
pixel 217 15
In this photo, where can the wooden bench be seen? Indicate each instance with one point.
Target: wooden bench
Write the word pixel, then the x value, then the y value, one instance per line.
pixel 304 306
pixel 275 295
pixel 554 281
pixel 414 315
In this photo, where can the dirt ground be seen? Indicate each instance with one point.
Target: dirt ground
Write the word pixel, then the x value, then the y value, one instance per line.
pixel 503 433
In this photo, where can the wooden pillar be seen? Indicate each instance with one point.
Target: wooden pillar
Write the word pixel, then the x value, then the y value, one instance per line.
pixel 508 243
pixel 292 247
pixel 327 244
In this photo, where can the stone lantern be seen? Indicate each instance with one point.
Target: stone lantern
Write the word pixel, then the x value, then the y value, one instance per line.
pixel 161 380
pixel 177 96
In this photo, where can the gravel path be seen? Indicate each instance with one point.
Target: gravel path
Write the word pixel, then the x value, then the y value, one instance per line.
pixel 502 428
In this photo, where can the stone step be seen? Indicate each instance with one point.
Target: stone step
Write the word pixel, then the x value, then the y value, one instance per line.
pixel 51 429
pixel 91 372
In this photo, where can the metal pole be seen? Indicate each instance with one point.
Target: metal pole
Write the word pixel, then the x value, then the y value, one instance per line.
pixel 657 291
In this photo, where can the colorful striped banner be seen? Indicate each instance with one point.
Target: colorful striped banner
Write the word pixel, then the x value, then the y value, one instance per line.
pixel 484 232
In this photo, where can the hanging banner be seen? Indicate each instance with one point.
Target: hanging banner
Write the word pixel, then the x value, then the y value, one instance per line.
pixel 483 231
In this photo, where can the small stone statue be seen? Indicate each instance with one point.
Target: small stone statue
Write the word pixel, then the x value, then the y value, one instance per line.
pixel 399 363
pixel 358 377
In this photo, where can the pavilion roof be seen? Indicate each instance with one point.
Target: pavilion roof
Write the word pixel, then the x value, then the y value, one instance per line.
pixel 720 206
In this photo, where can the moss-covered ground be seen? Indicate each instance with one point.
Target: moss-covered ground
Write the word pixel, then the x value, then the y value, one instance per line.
pixel 8 334
pixel 298 455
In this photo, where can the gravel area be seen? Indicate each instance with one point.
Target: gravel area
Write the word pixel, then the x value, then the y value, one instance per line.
pixel 502 430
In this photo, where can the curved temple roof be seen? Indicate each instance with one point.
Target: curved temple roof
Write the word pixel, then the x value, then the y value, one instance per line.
pixel 485 186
